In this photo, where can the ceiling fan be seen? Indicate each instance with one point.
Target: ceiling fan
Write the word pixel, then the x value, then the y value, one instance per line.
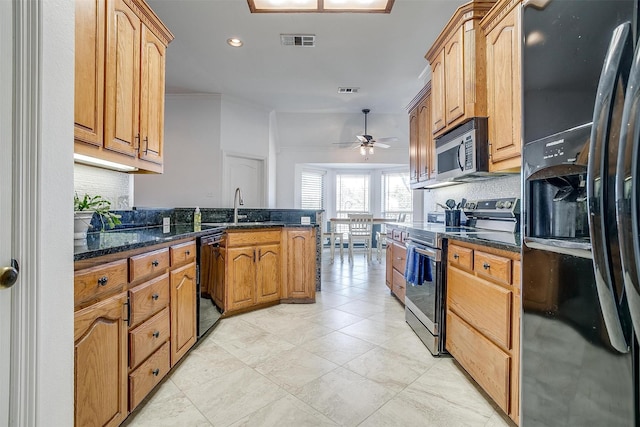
pixel 365 141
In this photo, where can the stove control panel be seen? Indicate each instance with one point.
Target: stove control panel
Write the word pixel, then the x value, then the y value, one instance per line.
pixel 508 207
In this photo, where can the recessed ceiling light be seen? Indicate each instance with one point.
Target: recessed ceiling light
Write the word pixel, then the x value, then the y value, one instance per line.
pixel 235 42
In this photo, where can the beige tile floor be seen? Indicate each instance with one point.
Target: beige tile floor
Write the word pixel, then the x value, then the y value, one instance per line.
pixel 349 359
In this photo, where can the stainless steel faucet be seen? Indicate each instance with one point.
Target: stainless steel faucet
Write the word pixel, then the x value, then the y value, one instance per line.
pixel 237 200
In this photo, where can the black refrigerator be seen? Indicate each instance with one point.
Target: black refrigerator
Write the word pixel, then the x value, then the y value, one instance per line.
pixel 580 284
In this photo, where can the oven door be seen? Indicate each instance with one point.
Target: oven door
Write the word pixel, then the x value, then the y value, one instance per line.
pixel 424 303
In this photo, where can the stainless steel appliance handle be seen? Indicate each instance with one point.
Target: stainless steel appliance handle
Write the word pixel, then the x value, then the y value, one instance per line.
pixel 435 254
pixel 626 195
pixel 596 182
pixel 460 147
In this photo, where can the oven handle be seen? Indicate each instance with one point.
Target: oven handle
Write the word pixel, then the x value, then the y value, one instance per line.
pixel 431 253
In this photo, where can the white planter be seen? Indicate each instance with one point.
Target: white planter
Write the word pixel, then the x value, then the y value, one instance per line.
pixel 81 224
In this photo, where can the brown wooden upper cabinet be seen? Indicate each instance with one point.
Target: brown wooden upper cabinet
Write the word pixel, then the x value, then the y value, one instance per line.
pixel 421 143
pixel 457 58
pixel 503 43
pixel 119 83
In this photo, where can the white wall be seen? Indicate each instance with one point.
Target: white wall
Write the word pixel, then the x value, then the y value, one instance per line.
pixel 305 138
pixel 54 356
pixel 192 156
pixel 245 132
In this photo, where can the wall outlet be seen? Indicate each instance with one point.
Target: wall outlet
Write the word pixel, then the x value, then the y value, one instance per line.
pixel 305 220
pixel 166 221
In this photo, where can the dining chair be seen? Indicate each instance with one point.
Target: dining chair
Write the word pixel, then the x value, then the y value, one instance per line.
pixel 360 230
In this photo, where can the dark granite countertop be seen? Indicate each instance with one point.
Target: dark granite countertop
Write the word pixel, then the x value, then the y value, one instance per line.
pixel 495 239
pixel 124 239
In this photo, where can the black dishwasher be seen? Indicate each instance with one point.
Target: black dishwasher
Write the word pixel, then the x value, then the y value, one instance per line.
pixel 210 262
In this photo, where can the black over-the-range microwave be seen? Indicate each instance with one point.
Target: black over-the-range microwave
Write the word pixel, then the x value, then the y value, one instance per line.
pixel 463 153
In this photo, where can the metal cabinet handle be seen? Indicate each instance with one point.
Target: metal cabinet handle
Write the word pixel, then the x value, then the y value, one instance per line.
pixel 456 256
pixel 155 297
pixel 156 334
pixel 486 266
pixel 155 263
pixel 156 372
pixel 187 253
pixel 103 281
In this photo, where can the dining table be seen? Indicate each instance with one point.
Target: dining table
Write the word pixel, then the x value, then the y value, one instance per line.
pixel 333 234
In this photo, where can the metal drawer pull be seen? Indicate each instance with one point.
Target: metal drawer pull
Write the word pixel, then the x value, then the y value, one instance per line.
pixel 103 280
pixel 456 256
pixel 156 334
pixel 156 372
pixel 188 253
pixel 155 263
pixel 155 297
pixel 486 266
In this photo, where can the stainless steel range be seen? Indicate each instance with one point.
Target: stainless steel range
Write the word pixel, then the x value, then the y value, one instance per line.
pixel 495 220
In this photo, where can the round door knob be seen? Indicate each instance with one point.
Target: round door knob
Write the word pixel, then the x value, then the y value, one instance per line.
pixel 456 256
pixel 155 263
pixel 156 334
pixel 155 297
pixel 9 275
pixel 103 281
pixel 486 266
pixel 155 372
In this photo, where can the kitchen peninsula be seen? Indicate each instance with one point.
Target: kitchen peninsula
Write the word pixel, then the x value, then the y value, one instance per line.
pixel 136 293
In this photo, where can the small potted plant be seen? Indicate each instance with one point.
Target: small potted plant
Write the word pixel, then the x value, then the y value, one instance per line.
pixel 85 207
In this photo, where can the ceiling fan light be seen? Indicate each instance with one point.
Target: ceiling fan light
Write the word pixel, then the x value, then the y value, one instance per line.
pixel 371 150
pixel 363 150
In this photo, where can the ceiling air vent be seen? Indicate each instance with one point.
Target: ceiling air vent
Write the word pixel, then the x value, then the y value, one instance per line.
pixel 348 89
pixel 301 40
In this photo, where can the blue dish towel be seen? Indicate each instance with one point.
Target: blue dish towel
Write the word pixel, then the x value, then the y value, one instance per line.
pixel 418 268
pixel 412 266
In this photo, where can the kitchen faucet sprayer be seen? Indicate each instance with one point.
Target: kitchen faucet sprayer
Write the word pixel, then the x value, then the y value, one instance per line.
pixel 237 200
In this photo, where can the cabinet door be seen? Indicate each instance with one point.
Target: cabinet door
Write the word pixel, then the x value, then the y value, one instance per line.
pixel 454 76
pixel 503 92
pixel 89 71
pixel 413 146
pixel 183 310
pixel 300 270
pixel 424 138
pixel 241 276
pixel 100 363
pixel 438 93
pixel 152 97
pixel 268 270
pixel 122 79
pixel 219 277
pixel 389 264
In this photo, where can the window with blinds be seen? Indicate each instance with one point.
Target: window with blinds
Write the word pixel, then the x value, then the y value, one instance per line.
pixel 397 197
pixel 352 196
pixel 312 190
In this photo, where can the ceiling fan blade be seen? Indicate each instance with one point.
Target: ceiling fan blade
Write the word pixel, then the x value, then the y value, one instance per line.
pixel 381 145
pixel 362 138
pixel 389 139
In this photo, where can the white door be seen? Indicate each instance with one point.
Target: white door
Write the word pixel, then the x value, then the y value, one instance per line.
pixel 248 174
pixel 6 115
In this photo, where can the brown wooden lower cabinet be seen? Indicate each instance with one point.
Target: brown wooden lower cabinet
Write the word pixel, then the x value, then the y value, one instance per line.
pixel 183 310
pixel 100 363
pixel 299 271
pixel 395 263
pixel 483 318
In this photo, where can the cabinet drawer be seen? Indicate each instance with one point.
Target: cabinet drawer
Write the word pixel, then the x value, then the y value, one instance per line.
pixel 149 264
pixel 248 238
pixel 460 257
pixel 399 257
pixel 146 338
pixel 484 305
pixel 183 253
pixel 149 298
pixel 486 363
pixel 91 283
pixel 493 266
pixel 399 285
pixel 150 373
